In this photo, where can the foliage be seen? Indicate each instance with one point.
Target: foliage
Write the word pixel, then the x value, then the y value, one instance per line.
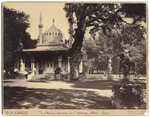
pixel 137 11
pixel 104 17
pixel 128 91
pixel 130 38
pixel 134 40
pixel 15 36
pixel 94 61
pixel 85 15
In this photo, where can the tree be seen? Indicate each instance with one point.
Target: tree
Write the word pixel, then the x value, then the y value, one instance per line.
pixel 103 17
pixel 14 35
pixel 109 48
pixel 98 51
pixel 90 49
pixel 134 41
pixel 131 40
pixel 85 15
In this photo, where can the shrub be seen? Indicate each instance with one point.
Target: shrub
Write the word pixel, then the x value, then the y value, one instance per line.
pixel 128 91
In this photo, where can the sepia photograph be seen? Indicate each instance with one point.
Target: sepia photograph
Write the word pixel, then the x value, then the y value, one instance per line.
pixel 69 58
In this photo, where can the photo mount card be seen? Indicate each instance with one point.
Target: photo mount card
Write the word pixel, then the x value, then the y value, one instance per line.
pixel 82 59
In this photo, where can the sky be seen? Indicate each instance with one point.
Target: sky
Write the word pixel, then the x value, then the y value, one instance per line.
pixel 49 11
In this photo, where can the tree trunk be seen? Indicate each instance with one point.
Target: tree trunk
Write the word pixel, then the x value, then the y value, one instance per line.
pixel 75 51
pixel 85 70
pixel 76 56
pixel 74 66
pixel 109 72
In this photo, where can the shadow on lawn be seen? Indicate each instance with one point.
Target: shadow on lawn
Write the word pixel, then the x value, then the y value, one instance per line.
pixel 95 84
pixel 25 98
pixel 8 81
pixel 90 83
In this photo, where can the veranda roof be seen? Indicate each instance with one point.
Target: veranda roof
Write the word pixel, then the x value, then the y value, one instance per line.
pixel 43 48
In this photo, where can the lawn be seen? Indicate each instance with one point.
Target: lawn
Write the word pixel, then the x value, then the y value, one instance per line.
pixel 85 94
pixel 25 98
pixel 93 92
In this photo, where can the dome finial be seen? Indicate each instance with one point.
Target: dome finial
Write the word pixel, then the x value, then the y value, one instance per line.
pixel 40 19
pixel 53 21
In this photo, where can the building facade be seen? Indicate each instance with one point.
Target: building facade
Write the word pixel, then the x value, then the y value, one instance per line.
pixel 50 53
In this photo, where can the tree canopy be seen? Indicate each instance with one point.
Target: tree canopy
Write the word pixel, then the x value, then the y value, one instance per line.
pixel 101 17
pixel 100 49
pixel 15 35
pixel 108 18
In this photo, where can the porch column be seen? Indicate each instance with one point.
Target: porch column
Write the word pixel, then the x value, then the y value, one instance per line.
pixel 60 62
pixel 18 66
pixel 68 64
pixel 22 65
pixel 37 68
pixel 80 67
pixel 33 65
